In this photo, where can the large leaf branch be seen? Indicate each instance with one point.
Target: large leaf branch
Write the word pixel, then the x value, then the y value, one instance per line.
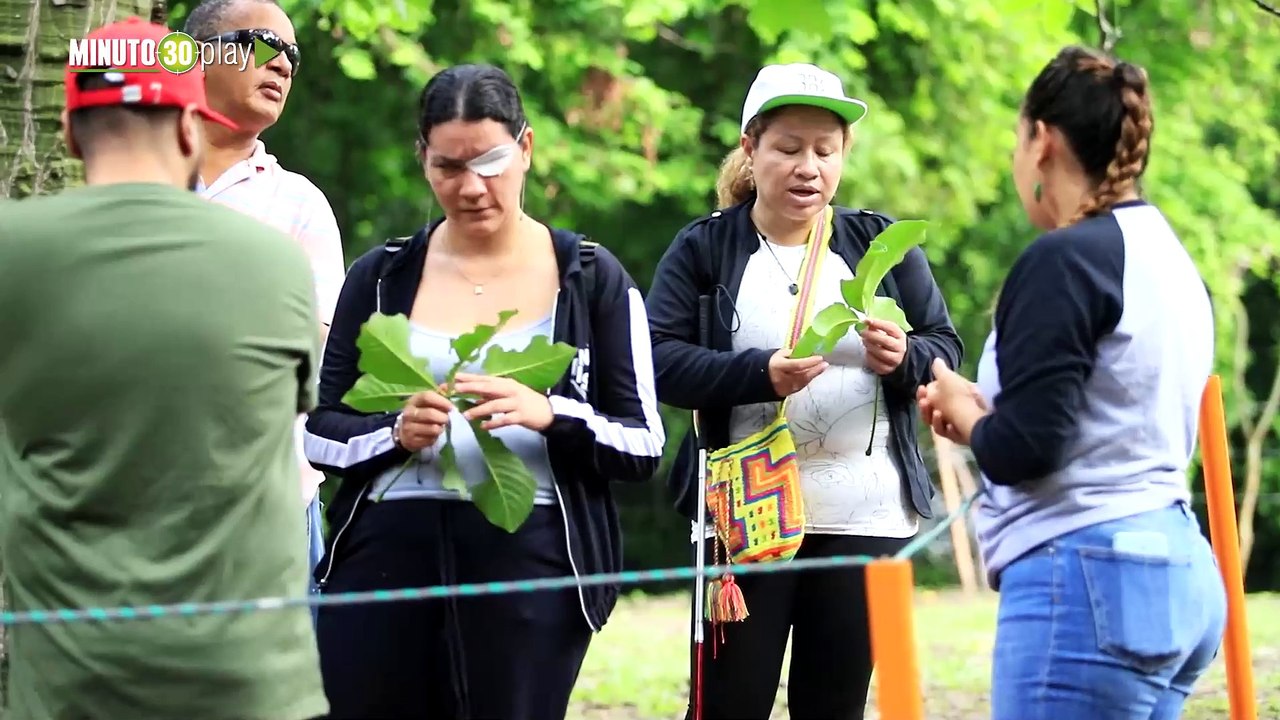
pixel 391 374
pixel 860 301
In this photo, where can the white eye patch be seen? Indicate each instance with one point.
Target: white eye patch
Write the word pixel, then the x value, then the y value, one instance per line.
pixel 494 162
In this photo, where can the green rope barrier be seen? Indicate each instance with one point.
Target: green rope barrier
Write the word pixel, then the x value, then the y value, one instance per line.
pixel 921 542
pixel 629 577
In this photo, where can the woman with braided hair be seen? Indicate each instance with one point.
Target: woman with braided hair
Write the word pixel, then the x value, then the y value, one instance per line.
pixel 1084 419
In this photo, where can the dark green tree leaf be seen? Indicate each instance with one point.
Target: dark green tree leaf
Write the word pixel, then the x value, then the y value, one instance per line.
pixel 539 366
pixel 370 394
pixel 451 478
pixel 770 18
pixel 505 498
pixel 466 347
pixel 384 353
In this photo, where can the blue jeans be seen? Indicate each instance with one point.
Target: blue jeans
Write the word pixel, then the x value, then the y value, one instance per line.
pixel 1112 622
pixel 315 546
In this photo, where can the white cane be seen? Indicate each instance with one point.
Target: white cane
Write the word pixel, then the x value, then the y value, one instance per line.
pixel 699 556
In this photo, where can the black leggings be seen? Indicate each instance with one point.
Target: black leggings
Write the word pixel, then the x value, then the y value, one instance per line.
pixel 489 656
pixel 830 646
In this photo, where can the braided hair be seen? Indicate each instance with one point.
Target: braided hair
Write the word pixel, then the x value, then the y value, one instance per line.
pixel 1102 106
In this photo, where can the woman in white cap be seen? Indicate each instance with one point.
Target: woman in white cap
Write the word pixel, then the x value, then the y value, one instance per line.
pixel 863 483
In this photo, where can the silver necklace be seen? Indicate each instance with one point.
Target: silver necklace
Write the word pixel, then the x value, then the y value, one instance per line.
pixel 478 288
pixel 793 288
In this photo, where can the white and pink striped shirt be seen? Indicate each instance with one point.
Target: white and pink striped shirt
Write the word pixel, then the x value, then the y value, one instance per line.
pixel 289 202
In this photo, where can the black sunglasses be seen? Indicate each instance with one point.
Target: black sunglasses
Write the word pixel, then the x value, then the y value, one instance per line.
pixel 268 37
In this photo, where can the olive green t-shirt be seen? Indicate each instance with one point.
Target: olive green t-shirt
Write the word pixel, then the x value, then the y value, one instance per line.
pixel 155 349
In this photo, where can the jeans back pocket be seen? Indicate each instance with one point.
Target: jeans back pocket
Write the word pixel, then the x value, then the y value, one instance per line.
pixel 1146 611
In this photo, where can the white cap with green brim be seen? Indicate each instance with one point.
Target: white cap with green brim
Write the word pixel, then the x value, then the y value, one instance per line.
pixel 799 84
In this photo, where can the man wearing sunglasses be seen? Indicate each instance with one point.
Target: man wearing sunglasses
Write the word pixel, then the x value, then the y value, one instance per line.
pixel 239 172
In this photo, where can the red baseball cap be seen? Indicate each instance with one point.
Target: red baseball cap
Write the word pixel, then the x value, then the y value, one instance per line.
pixel 140 80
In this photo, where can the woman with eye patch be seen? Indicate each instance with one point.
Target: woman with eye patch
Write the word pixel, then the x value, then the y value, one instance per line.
pixel 862 480
pixel 495 656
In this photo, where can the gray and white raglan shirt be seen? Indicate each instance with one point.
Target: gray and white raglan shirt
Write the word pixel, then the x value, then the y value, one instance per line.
pixel 1102 345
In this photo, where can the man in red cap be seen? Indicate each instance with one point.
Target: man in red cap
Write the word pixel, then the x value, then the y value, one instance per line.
pixel 163 346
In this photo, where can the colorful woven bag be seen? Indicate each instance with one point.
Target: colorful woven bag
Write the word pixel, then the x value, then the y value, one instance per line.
pixel 753 485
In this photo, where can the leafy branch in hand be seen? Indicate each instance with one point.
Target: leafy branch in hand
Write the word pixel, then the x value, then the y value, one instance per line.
pixel 861 303
pixel 391 374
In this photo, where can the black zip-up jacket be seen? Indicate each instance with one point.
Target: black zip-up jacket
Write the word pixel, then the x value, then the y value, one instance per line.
pixel 708 258
pixel 606 421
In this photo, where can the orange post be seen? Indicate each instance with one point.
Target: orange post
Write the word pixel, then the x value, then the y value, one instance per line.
pixel 890 596
pixel 1225 535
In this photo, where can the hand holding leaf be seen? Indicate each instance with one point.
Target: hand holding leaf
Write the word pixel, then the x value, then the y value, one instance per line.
pixel 422 421
pixel 882 324
pixel 504 402
pixel 886 345
pixel 511 391
pixel 861 303
pixel 791 376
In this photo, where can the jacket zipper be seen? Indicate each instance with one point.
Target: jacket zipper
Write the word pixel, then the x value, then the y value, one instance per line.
pixel 564 513
pixel 333 547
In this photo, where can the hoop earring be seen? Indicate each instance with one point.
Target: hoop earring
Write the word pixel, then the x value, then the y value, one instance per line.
pixel 1036 191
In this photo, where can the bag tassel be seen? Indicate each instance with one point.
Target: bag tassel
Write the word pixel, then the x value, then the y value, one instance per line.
pixel 729 605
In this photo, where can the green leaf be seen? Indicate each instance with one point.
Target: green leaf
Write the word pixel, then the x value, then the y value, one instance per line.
pixel 884 308
pixel 384 353
pixel 505 498
pixel 467 345
pixel 825 330
pixel 539 366
pixel 370 394
pixel 450 477
pixel 887 250
pixel 356 63
pixel 770 18
pixel 1057 15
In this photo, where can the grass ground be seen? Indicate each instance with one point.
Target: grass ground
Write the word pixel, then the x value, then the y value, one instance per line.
pixel 638 666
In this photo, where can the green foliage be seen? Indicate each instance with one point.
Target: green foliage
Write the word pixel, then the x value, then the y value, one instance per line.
pixel 391 374
pixel 771 18
pixel 634 105
pixel 859 293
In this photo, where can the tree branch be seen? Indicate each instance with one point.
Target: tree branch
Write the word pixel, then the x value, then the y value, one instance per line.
pixel 1253 469
pixel 1267 416
pixel 670 35
pixel 1266 7
pixel 1108 33
pixel 1239 359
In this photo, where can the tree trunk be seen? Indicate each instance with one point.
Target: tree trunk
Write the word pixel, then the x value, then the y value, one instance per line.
pixel 35 38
